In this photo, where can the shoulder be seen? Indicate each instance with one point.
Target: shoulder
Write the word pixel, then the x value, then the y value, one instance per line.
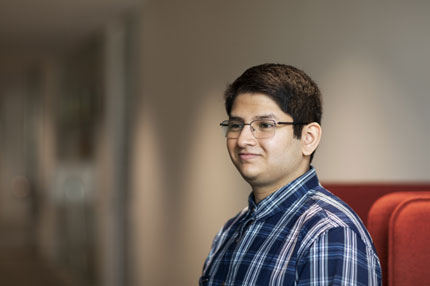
pixel 341 255
pixel 230 226
pixel 225 232
pixel 234 220
pixel 325 213
pixel 334 230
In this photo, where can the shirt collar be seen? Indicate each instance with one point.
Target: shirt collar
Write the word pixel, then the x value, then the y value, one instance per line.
pixel 284 198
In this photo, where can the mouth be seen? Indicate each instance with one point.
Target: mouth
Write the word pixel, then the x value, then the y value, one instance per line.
pixel 247 156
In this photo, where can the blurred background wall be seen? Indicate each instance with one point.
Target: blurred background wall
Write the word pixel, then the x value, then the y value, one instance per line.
pixel 113 169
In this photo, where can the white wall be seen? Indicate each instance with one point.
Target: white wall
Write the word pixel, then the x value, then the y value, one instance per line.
pixel 369 58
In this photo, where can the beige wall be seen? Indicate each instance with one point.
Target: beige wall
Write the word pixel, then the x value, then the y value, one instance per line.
pixel 369 58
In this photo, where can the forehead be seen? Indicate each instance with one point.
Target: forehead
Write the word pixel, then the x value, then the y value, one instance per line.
pixel 256 105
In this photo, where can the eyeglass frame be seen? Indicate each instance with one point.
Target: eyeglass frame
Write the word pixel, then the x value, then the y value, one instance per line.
pixel 225 124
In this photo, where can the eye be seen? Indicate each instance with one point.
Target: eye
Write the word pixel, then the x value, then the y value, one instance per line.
pixel 266 124
pixel 235 125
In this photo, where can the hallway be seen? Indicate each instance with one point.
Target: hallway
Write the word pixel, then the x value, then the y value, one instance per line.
pixel 57 226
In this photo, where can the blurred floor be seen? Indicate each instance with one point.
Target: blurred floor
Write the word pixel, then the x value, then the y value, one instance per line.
pixel 22 266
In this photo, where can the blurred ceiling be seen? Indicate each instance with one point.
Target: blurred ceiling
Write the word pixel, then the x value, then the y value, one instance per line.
pixel 29 25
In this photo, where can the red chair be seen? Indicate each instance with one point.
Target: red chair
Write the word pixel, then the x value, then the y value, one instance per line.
pixel 400 227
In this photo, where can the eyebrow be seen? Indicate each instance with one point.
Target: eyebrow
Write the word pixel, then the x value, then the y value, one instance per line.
pixel 264 116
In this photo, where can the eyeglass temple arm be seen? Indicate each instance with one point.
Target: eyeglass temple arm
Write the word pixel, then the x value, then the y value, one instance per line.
pixel 292 123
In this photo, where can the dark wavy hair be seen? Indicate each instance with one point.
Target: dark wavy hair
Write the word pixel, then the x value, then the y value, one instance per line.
pixel 293 90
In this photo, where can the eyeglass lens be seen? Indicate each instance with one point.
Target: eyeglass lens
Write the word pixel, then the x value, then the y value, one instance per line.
pixel 259 128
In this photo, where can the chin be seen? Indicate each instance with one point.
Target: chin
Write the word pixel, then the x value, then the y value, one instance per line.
pixel 249 172
pixel 249 176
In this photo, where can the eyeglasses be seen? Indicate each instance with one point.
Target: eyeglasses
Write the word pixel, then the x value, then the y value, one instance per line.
pixel 261 128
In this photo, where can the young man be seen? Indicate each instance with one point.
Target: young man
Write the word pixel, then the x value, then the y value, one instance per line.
pixel 293 232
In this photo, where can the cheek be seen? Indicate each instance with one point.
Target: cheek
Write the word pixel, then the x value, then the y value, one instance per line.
pixel 231 145
pixel 272 148
pixel 280 152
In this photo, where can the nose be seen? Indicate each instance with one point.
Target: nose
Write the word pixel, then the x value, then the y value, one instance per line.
pixel 246 138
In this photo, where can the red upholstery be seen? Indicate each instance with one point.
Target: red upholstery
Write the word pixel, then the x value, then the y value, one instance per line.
pixel 409 243
pixel 381 215
pixel 378 221
pixel 362 196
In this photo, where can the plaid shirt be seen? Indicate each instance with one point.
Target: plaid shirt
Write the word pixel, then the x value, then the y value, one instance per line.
pixel 299 235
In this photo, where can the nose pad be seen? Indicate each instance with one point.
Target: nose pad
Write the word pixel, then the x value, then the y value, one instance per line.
pixel 246 136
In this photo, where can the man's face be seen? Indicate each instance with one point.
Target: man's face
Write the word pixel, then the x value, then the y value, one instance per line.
pixel 270 162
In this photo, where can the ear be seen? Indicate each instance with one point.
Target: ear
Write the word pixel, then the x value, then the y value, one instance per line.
pixel 311 136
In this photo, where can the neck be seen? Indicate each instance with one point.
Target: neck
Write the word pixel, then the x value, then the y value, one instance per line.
pixel 264 190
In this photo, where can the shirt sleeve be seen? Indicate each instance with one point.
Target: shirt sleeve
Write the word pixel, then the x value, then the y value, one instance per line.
pixel 339 257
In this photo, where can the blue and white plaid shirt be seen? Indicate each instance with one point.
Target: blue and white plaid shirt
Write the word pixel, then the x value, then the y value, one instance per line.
pixel 299 235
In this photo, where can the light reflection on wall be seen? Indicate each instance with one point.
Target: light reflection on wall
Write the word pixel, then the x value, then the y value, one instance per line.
pixel 47 146
pixel 147 207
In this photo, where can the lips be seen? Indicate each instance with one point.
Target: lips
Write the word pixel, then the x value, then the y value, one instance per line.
pixel 245 156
